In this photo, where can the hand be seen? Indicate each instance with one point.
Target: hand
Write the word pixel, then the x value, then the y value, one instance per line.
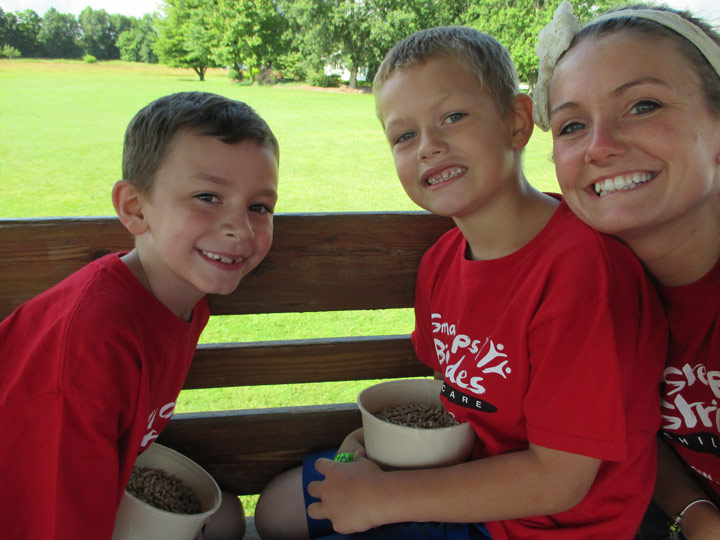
pixel 347 494
pixel 354 443
pixel 701 522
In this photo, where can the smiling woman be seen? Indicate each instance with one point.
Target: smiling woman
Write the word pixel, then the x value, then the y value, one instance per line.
pixel 626 139
pixel 634 110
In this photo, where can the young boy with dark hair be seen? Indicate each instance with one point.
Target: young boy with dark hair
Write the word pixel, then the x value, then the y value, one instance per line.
pixel 546 334
pixel 90 369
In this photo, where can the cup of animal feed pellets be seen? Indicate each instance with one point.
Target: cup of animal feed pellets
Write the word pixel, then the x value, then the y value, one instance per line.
pixel 169 497
pixel 406 427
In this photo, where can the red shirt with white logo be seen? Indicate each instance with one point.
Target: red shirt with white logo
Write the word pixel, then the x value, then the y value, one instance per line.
pixel 89 374
pixel 561 344
pixel 691 395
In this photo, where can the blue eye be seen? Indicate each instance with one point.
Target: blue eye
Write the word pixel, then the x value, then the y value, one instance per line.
pixel 207 197
pixel 454 117
pixel 570 128
pixel 644 107
pixel 405 137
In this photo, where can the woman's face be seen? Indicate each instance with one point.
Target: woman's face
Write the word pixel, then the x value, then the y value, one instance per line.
pixel 635 146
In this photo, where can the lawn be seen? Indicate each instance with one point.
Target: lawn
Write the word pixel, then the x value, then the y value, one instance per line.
pixel 60 153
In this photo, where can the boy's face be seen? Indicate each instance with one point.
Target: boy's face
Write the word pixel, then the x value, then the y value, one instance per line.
pixel 209 216
pixel 453 149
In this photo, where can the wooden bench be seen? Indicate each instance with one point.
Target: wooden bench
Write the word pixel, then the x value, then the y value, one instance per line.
pixel 318 262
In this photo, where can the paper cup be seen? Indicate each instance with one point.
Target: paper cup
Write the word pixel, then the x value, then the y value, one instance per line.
pixel 402 447
pixel 137 520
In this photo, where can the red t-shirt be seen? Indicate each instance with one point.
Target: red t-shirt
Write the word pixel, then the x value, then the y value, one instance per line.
pixel 561 344
pixel 691 397
pixel 89 374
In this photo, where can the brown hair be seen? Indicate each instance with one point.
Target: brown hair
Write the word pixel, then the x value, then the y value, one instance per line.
pixel 481 53
pixel 152 130
pixel 709 79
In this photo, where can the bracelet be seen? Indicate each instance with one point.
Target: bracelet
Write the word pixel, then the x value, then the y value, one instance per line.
pixel 344 457
pixel 675 525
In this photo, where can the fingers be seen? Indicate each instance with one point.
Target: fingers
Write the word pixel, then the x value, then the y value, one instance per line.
pixel 322 465
pixel 315 511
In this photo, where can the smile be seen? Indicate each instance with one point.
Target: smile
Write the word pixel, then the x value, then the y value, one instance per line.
pixel 220 258
pixel 621 183
pixel 447 174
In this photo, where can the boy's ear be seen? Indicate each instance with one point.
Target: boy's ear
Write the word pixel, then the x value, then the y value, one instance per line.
pixel 522 121
pixel 128 203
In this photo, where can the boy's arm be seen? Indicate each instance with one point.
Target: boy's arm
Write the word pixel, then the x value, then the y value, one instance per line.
pixel 537 481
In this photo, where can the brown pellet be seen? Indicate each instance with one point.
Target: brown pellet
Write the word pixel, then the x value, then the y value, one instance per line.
pixel 419 415
pixel 164 491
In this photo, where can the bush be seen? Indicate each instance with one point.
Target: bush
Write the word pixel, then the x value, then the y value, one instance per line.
pixel 291 67
pixel 8 51
pixel 322 80
pixel 267 76
pixel 235 74
pixel 89 59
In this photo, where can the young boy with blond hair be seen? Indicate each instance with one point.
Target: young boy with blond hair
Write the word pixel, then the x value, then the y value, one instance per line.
pixel 546 334
pixel 90 370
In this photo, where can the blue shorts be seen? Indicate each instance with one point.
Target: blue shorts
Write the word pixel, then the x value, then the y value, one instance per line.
pixel 322 528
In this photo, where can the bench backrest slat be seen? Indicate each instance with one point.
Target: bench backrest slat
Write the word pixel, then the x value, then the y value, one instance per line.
pixel 303 361
pixel 318 262
pixel 244 450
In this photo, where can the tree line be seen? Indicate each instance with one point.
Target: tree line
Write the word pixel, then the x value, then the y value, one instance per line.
pixel 267 40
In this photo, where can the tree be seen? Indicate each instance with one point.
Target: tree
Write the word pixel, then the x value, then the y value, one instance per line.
pixel 5 27
pixel 394 20
pixel 358 33
pixel 136 44
pixel 22 29
pixel 516 24
pixel 332 32
pixel 100 32
pixel 185 37
pixel 250 33
pixel 59 35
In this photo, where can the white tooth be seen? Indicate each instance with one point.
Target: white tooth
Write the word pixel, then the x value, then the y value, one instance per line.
pixel 217 257
pixel 640 178
pixel 620 183
pixel 445 175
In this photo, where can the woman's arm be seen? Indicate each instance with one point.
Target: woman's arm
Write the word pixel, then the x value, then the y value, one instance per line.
pixel 676 487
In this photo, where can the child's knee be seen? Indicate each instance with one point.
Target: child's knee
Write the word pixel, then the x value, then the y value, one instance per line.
pixel 228 523
pixel 280 510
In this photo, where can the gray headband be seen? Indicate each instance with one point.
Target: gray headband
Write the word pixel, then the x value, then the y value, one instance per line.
pixel 555 38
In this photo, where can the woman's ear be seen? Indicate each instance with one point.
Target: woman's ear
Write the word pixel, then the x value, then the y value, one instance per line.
pixel 128 203
pixel 522 121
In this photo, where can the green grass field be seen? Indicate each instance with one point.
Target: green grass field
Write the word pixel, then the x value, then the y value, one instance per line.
pixel 60 153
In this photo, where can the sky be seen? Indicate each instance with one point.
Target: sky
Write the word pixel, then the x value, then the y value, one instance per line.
pixel 709 9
